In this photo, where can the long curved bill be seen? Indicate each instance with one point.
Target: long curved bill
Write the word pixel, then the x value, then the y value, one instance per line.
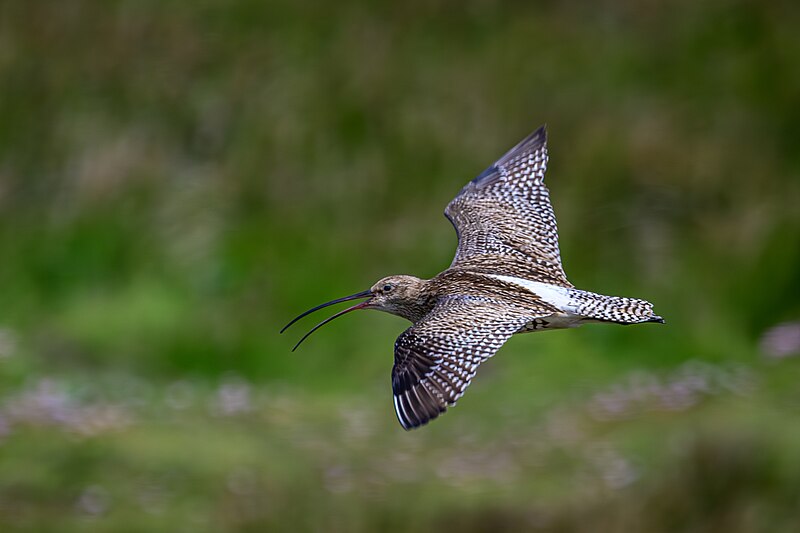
pixel 363 294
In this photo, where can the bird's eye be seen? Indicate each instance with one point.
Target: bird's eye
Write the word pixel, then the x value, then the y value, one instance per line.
pixel 387 288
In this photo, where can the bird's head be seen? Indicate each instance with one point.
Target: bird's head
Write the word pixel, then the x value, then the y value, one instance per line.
pixel 394 294
pixel 399 295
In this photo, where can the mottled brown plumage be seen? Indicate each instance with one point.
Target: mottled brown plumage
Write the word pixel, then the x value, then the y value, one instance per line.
pixel 504 220
pixel 506 278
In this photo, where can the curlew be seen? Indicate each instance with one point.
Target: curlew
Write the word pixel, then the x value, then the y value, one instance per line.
pixel 506 278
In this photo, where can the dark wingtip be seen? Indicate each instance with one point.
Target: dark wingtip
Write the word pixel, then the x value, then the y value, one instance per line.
pixel 486 174
pixel 529 144
pixel 658 319
pixel 532 142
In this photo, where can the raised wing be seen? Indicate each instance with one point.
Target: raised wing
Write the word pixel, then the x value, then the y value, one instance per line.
pixel 504 221
pixel 436 358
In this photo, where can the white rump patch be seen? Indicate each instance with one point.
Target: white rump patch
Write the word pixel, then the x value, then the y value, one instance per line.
pixel 552 294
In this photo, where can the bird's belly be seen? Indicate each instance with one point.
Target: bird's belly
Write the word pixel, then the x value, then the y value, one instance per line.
pixel 554 321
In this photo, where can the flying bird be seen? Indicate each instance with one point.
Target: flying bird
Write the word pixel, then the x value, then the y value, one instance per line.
pixel 506 278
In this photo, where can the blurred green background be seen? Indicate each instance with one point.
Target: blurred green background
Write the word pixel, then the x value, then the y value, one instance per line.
pixel 179 179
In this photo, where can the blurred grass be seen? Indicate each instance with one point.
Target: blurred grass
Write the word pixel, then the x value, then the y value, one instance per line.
pixel 179 179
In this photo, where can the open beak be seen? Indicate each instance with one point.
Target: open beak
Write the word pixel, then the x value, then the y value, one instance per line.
pixel 362 305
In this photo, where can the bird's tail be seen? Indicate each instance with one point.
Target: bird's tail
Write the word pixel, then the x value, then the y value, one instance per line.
pixel 612 308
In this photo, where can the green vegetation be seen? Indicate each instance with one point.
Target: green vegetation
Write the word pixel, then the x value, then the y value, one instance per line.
pixel 179 179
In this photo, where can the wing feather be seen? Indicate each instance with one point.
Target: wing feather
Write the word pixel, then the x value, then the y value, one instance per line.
pixel 436 358
pixel 504 219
